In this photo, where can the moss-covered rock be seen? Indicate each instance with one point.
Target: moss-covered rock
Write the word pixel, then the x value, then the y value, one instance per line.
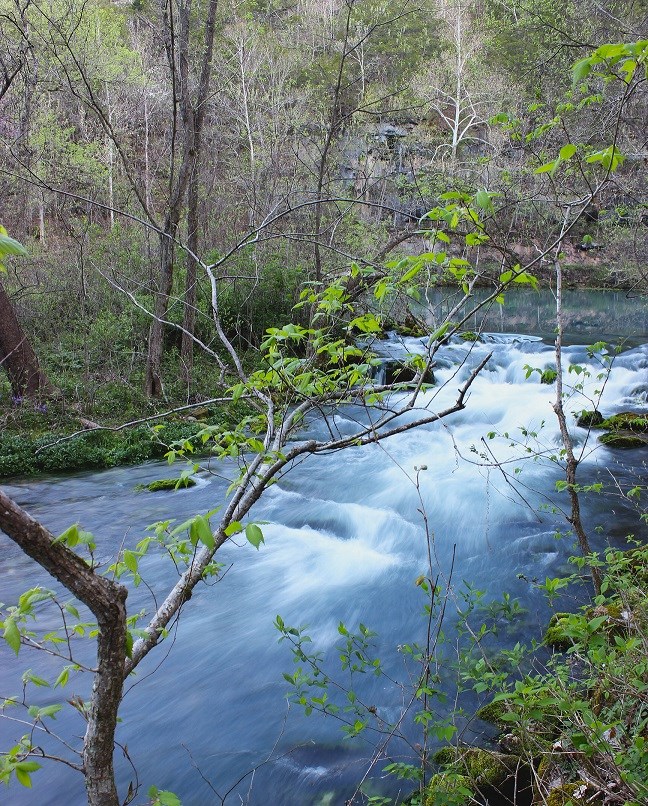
pixel 559 632
pixel 469 335
pixel 484 767
pixel 449 789
pixel 494 712
pixel 590 419
pixel 408 327
pixel 168 484
pixel 576 794
pixel 446 755
pixel 399 372
pixel 624 439
pixel 627 421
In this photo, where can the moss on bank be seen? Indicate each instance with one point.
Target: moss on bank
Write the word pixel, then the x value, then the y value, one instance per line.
pixel 42 447
pixel 600 674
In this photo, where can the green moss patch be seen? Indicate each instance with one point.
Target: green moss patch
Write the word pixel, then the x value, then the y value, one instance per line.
pixel 169 484
pixel 590 419
pixel 623 439
pixel 494 712
pixel 575 794
pixel 448 790
pixel 627 421
pixel 548 376
pixel 484 767
pixel 562 630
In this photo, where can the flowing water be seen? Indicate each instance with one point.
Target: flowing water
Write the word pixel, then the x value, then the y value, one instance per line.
pixel 344 540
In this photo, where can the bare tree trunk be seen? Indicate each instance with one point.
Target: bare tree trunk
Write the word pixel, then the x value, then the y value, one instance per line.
pixel 189 315
pixel 107 601
pixel 191 116
pixel 154 386
pixel 17 357
pixel 571 465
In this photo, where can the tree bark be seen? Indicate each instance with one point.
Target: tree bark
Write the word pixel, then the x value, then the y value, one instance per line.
pixel 107 602
pixel 17 356
pixel 571 462
pixel 190 115
pixel 200 107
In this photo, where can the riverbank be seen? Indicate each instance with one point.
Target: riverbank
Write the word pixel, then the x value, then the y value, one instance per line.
pixel 573 733
pixel 49 437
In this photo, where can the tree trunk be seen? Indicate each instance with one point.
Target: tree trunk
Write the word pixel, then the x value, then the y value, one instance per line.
pixel 17 356
pixel 192 115
pixel 189 315
pixel 189 318
pixel 571 462
pixel 107 601
pixel 154 386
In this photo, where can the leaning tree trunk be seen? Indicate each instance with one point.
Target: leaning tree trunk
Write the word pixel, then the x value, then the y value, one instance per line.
pixel 107 601
pixel 17 356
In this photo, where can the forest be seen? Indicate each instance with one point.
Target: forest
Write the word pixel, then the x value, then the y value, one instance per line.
pixel 261 242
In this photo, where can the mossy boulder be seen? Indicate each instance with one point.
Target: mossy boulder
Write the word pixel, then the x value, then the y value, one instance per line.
pixel 575 794
pixel 409 327
pixel 627 421
pixel 449 789
pixel 548 376
pixel 494 712
pixel 560 631
pixel 624 439
pixel 168 484
pixel 469 335
pixel 627 429
pixel 400 372
pixel 590 419
pixel 484 767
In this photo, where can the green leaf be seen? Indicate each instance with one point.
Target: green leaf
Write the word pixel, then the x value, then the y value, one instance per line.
pixel 483 200
pixel 130 561
pixel 440 333
pixel 50 711
pixel 411 274
pixel 12 634
pixel 28 766
pixel 581 70
pixel 22 776
pixel 9 246
pixel 162 797
pixel 62 679
pixel 234 528
pixel 204 532
pixel 70 537
pixel 568 151
pixel 548 167
pixel 254 535
pixel 200 531
pixel 28 676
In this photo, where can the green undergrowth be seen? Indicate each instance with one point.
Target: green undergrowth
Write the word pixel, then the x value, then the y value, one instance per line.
pixel 581 723
pixel 42 441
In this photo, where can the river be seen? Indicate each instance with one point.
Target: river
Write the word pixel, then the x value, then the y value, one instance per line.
pixel 207 714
